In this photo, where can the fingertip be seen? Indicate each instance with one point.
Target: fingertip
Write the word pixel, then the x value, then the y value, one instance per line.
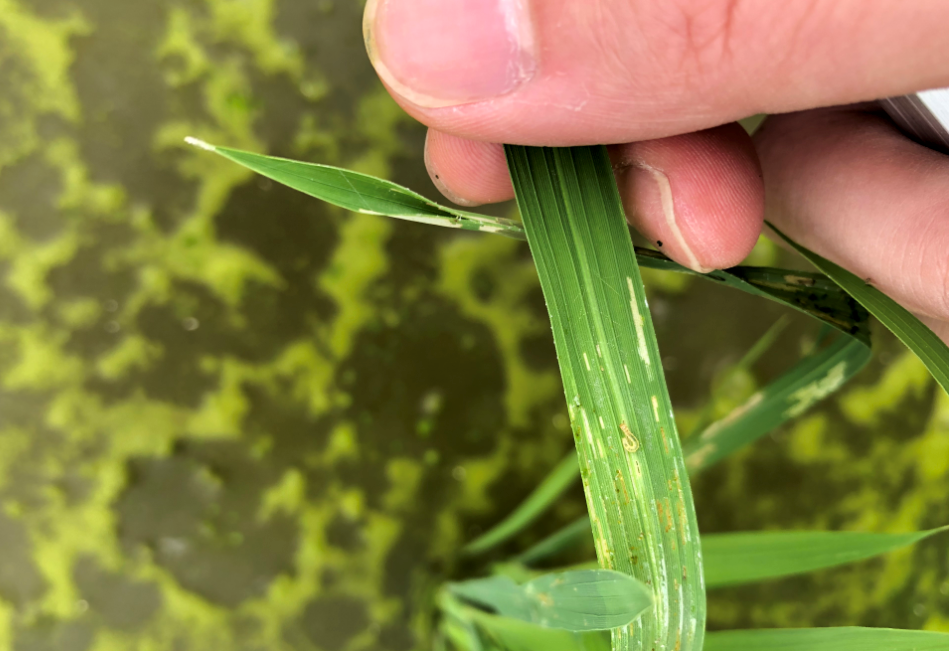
pixel 699 196
pixel 467 172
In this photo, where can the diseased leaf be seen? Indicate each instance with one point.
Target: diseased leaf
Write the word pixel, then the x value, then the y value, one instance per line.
pixel 808 382
pixel 631 464
pixel 849 638
pixel 585 600
pixel 735 558
pixel 911 331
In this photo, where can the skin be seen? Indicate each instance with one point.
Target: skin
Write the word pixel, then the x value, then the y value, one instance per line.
pixel 663 82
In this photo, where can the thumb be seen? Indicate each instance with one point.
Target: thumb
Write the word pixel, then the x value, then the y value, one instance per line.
pixel 563 72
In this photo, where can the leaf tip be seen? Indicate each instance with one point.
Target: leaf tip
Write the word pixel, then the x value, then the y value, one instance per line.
pixel 200 144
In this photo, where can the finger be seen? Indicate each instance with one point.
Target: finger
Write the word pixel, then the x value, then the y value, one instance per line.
pixel 699 196
pixel 848 185
pixel 561 72
pixel 467 172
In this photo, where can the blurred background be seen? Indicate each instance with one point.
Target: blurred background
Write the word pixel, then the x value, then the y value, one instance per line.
pixel 232 417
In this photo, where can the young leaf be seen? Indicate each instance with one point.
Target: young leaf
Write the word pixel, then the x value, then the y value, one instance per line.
pixel 362 193
pixel 531 508
pixel 632 468
pixel 911 331
pixel 735 558
pixel 584 600
pixel 849 638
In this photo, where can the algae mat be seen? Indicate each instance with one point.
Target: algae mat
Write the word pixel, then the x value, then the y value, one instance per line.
pixel 232 417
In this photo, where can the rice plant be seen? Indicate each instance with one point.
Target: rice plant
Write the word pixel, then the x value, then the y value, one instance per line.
pixel 647 588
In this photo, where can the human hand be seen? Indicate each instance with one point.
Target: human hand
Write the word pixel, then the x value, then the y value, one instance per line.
pixel 662 82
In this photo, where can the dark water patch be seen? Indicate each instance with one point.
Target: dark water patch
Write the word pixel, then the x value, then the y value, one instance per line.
pixel 86 274
pixel 292 432
pixel 198 513
pixel 412 251
pixel 177 375
pixel 344 533
pixel 330 621
pixel 442 385
pixel 406 558
pixel 20 580
pixel 773 489
pixel 29 190
pixel 124 103
pixel 12 308
pixel 483 284
pixel 538 352
pixel 329 35
pixel 294 234
pixel 282 109
pixel 49 634
pixel 397 637
pixel 120 602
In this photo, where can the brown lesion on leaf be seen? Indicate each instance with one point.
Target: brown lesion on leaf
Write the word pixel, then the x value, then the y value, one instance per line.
pixel 801 281
pixel 630 443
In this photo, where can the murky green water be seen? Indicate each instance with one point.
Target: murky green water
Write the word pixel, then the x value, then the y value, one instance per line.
pixel 232 417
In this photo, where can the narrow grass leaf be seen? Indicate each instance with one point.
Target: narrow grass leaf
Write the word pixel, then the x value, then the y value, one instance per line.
pixel 911 331
pixel 564 538
pixel 553 486
pixel 631 465
pixel 362 193
pixel 735 558
pixel 807 383
pixel 848 638
pixel 583 600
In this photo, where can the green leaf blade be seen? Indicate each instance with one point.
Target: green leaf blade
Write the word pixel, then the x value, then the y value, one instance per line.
pixel 362 193
pixel 848 638
pixel 631 464
pixel 736 558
